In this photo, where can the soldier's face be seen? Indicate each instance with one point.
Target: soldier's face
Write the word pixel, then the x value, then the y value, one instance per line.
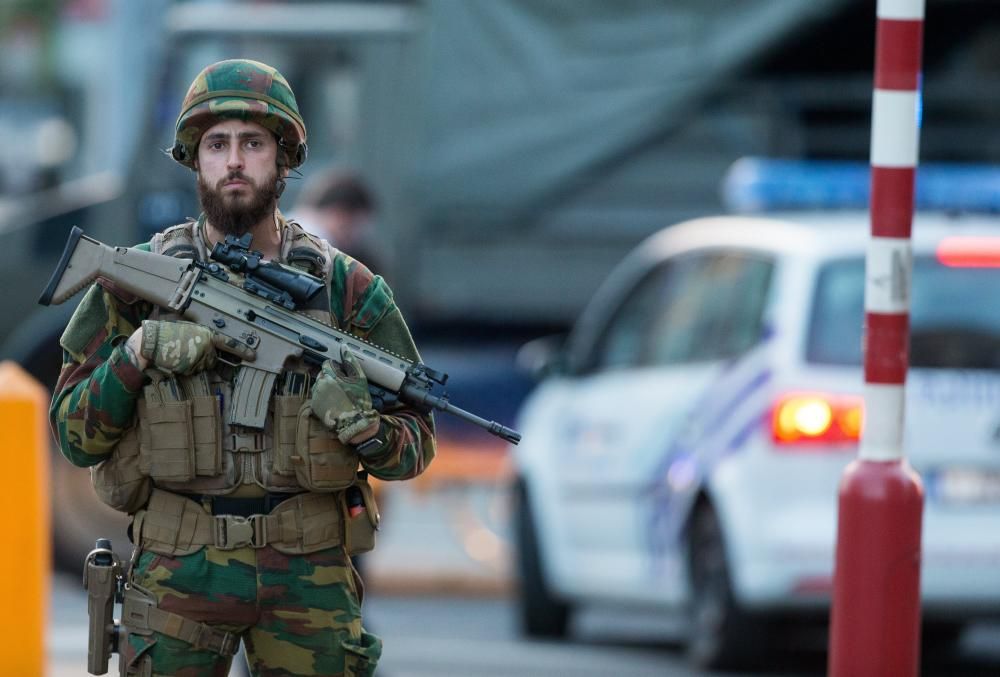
pixel 237 174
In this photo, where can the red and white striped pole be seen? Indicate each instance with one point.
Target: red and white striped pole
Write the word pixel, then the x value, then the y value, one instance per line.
pixel 875 615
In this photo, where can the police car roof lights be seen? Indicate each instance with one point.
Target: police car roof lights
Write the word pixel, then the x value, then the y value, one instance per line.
pixel 754 184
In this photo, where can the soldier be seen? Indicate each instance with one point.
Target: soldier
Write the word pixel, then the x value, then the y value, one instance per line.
pixel 240 534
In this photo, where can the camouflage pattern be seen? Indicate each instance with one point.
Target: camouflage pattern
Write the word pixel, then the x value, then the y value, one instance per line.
pixel 297 615
pixel 95 397
pixel 349 278
pixel 185 347
pixel 245 90
pixel 340 398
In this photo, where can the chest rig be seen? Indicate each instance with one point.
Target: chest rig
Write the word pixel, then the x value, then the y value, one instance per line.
pixel 183 441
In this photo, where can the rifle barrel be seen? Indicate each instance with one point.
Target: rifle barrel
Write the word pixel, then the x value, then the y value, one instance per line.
pixel 420 396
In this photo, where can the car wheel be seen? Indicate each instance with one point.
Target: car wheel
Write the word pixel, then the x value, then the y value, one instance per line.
pixel 541 613
pixel 941 637
pixel 721 635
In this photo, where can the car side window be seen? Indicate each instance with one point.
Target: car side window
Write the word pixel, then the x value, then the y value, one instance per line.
pixel 713 312
pixel 621 344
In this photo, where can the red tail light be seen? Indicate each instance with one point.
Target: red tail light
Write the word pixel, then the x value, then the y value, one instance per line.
pixel 969 252
pixel 816 418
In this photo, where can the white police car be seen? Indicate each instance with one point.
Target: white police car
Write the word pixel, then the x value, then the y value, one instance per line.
pixel 688 453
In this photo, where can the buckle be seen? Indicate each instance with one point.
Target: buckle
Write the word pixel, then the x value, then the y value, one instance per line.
pixel 234 531
pixel 230 644
pixel 207 638
pixel 135 609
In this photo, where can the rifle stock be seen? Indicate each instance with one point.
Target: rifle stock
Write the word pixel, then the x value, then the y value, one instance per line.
pixel 144 274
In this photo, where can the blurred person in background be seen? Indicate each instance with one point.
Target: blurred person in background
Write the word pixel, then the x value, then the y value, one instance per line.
pixel 339 206
pixel 248 535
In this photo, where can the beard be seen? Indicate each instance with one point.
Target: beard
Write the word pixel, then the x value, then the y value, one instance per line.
pixel 236 214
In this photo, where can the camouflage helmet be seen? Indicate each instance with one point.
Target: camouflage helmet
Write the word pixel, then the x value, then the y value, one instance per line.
pixel 246 90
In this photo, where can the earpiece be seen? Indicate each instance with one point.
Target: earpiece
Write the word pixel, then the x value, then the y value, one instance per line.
pixel 179 152
pixel 301 153
pixel 298 157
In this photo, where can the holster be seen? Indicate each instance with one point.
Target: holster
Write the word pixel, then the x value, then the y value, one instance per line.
pixel 102 579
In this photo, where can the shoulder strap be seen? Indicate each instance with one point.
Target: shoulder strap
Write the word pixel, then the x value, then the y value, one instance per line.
pixel 178 241
pixel 305 250
pixel 314 255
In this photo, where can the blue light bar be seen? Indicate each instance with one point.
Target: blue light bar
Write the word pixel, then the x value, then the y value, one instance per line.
pixel 766 185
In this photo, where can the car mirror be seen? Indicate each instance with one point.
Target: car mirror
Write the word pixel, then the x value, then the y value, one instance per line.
pixel 543 357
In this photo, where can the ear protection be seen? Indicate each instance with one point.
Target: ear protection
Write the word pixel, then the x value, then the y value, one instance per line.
pixel 179 153
pixel 298 157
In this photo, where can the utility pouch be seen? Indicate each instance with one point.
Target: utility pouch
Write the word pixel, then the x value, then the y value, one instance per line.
pixel 118 481
pixel 321 461
pixel 166 431
pixel 169 525
pixel 102 579
pixel 361 517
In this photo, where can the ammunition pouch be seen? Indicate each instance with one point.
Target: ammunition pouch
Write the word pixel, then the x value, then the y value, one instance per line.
pixel 180 429
pixel 181 445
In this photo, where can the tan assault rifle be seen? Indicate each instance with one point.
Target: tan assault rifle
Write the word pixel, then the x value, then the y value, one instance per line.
pixel 253 302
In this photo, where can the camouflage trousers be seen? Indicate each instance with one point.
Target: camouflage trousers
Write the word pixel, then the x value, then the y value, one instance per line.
pixel 296 614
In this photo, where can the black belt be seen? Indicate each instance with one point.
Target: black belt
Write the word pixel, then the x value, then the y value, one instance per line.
pixel 244 507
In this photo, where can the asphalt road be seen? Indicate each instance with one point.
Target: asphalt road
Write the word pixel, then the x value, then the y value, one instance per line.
pixel 470 637
pixel 476 637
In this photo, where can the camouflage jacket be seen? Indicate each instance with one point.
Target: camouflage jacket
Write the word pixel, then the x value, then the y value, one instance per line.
pixel 94 402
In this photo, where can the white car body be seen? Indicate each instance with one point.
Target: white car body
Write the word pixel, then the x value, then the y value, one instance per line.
pixel 613 460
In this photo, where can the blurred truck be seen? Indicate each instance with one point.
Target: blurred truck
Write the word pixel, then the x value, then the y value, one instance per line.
pixel 520 149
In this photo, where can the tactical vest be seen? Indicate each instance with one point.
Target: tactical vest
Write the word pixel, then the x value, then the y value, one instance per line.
pixel 184 442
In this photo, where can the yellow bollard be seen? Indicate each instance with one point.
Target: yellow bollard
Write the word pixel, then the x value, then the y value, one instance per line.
pixel 26 558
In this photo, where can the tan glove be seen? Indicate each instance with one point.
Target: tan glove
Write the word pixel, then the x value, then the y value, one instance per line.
pixel 185 347
pixel 340 398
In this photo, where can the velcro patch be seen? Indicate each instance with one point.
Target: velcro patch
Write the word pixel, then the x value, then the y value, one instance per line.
pixel 374 303
pixel 91 317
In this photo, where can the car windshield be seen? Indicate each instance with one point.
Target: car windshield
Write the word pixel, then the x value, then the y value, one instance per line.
pixel 954 316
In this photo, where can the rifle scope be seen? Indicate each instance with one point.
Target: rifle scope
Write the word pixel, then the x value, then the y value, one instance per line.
pixel 236 254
